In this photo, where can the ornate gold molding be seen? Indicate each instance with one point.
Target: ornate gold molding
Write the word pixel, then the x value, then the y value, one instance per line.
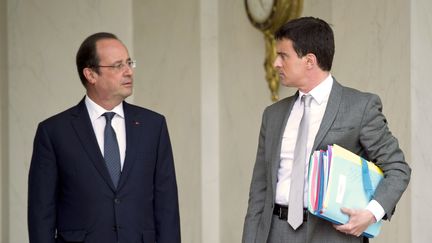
pixel 281 12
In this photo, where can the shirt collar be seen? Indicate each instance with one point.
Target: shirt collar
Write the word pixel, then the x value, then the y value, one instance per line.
pixel 322 91
pixel 95 111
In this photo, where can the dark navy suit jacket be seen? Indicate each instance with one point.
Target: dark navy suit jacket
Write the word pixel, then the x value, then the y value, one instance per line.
pixel 71 197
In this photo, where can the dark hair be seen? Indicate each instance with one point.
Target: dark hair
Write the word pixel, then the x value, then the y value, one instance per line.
pixel 87 54
pixel 310 35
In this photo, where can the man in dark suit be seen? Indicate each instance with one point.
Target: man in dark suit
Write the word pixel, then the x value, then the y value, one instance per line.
pixel 103 171
pixel 321 113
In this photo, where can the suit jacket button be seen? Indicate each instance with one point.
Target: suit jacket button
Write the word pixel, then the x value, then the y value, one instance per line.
pixel 116 201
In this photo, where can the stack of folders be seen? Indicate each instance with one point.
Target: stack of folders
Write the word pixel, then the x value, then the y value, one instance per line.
pixel 339 178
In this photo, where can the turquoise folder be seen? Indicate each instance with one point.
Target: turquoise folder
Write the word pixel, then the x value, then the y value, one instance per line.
pixel 339 178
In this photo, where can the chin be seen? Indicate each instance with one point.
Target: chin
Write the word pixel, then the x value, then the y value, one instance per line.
pixel 127 93
pixel 286 83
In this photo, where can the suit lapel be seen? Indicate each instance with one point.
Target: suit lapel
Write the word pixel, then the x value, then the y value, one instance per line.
pixel 132 124
pixel 330 113
pixel 84 129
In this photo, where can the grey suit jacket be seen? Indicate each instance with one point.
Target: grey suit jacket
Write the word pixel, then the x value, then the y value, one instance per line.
pixel 352 119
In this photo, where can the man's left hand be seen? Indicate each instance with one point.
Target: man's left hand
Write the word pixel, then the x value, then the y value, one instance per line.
pixel 359 220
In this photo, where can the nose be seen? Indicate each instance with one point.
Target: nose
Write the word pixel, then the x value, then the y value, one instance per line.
pixel 277 62
pixel 128 70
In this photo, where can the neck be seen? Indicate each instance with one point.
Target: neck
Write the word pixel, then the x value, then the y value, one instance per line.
pixel 107 104
pixel 314 80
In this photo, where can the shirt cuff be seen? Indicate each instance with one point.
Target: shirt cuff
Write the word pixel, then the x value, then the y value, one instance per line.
pixel 376 209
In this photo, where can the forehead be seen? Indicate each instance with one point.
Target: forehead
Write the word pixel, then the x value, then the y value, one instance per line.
pixel 284 45
pixel 111 50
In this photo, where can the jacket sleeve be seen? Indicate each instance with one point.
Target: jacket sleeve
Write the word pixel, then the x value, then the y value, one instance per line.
pixel 165 192
pixel 42 190
pixel 258 189
pixel 383 149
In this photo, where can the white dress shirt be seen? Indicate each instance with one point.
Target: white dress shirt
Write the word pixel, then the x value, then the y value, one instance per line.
pixel 98 121
pixel 320 95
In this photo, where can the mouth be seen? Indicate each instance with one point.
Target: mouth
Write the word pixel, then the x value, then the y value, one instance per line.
pixel 281 75
pixel 127 83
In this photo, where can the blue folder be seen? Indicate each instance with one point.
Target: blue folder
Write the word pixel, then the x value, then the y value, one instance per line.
pixel 339 178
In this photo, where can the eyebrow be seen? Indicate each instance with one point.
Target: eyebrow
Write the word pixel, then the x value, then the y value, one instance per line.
pixel 279 53
pixel 121 61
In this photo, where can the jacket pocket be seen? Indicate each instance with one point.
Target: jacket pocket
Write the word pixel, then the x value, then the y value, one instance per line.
pixel 72 235
pixel 148 236
pixel 341 129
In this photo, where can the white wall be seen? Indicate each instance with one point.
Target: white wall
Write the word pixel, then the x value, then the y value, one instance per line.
pixel 3 122
pixel 421 119
pixel 167 47
pixel 243 97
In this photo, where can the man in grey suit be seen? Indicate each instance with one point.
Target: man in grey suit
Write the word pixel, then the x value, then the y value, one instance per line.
pixel 321 113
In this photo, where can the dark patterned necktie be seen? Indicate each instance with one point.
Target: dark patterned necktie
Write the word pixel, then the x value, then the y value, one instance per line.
pixel 111 149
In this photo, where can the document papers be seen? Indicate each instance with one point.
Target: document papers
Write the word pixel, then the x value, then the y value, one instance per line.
pixel 339 178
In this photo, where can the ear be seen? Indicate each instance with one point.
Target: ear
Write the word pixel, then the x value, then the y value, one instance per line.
pixel 311 60
pixel 90 75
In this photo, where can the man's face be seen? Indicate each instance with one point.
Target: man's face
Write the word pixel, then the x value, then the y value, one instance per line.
pixel 112 83
pixel 290 67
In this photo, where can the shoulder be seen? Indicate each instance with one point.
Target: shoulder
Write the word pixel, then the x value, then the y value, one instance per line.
pixel 60 117
pixel 281 105
pixel 142 113
pixel 354 96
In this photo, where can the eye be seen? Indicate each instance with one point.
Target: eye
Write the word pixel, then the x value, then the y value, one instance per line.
pixel 284 56
pixel 131 63
pixel 119 66
pixel 281 56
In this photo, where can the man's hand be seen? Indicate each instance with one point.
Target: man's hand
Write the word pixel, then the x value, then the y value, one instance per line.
pixel 359 220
